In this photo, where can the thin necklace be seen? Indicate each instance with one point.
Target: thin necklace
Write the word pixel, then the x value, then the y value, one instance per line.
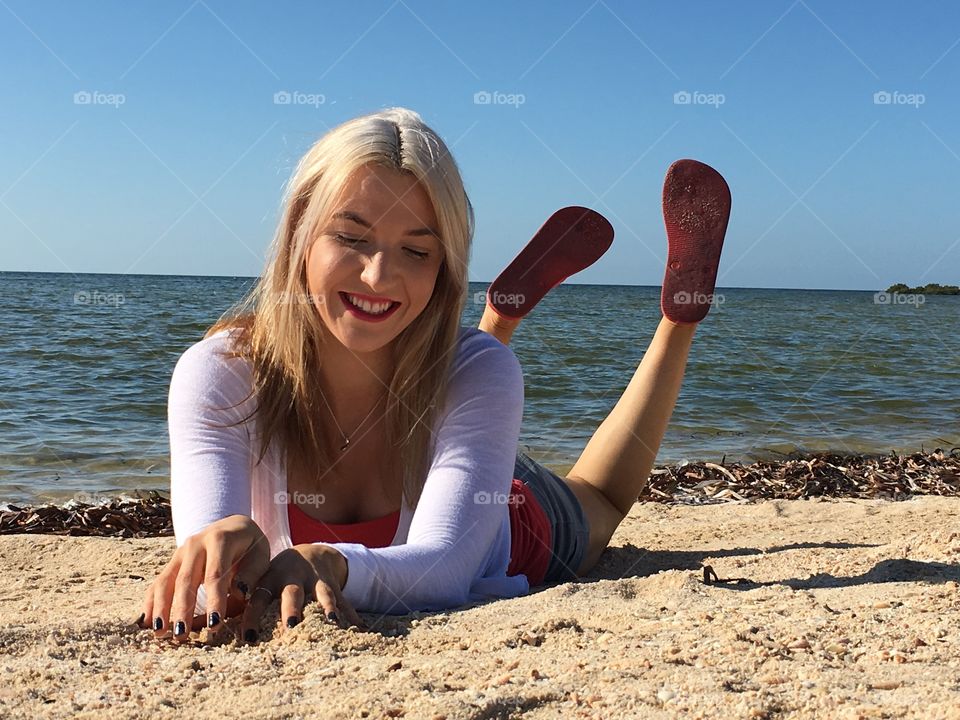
pixel 346 438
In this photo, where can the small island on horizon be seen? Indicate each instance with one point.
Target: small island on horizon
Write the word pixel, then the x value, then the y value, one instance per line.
pixel 930 289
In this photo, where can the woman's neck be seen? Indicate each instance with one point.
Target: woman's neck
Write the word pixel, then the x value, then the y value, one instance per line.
pixel 352 382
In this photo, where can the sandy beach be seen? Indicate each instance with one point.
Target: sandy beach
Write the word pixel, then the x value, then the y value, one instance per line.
pixel 852 611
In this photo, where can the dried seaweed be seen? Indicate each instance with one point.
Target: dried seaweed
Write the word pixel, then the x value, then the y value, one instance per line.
pixel 891 477
pixel 140 517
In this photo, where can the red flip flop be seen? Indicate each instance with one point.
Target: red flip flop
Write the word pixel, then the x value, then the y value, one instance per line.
pixel 571 239
pixel 696 208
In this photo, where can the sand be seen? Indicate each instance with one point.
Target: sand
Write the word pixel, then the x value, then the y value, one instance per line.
pixel 860 619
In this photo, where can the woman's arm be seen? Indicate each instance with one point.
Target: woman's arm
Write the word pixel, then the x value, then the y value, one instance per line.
pixel 210 460
pixel 463 504
pixel 217 542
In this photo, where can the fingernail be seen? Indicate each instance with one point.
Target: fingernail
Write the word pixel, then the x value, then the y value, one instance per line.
pixel 214 619
pixel 140 619
pixel 293 621
pixel 158 623
pixel 250 635
pixel 332 616
pixel 179 628
pixel 242 586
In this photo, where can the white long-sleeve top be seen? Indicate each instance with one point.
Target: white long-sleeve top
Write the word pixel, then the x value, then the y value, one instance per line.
pixel 452 549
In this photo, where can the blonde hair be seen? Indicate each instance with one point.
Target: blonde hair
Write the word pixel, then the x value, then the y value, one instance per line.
pixel 282 335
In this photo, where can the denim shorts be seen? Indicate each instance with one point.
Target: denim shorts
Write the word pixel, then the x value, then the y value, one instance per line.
pixel 569 525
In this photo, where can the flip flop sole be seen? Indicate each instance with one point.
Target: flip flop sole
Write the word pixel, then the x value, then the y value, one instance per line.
pixel 571 239
pixel 696 208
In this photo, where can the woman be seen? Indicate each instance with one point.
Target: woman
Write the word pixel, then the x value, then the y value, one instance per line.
pixel 354 326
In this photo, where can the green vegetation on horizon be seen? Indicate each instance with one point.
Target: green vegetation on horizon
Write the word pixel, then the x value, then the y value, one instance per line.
pixel 931 289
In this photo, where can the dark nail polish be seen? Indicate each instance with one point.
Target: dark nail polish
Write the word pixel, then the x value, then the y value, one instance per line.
pixel 332 616
pixel 243 587
pixel 293 621
pixel 179 628
pixel 250 635
pixel 214 619
pixel 140 619
pixel 158 623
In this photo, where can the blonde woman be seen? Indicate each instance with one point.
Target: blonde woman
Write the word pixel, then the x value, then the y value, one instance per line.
pixel 340 438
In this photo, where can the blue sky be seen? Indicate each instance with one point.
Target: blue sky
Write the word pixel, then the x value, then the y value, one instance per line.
pixel 173 157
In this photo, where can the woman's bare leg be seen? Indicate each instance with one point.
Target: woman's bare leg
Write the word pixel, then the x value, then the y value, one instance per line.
pixel 571 239
pixel 616 463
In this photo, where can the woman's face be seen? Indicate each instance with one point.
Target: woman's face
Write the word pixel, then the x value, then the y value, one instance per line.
pixel 372 268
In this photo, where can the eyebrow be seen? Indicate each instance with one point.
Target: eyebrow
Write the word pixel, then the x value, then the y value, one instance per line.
pixel 353 217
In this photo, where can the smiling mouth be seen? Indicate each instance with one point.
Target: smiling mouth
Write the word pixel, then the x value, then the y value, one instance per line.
pixel 367 309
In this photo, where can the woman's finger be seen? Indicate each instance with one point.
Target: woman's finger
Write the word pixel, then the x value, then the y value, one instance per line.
pixel 146 617
pixel 162 590
pixel 328 602
pixel 216 579
pixel 184 602
pixel 260 598
pixel 291 605
pixel 349 614
pixel 249 564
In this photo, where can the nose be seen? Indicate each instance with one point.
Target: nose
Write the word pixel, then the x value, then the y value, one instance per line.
pixel 376 271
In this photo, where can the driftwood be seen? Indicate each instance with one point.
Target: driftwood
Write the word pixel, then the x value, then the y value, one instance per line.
pixel 891 477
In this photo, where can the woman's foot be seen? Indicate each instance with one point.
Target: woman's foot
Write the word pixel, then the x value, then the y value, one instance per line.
pixel 696 208
pixel 571 239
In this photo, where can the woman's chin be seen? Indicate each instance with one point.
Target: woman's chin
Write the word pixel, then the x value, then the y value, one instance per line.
pixel 363 342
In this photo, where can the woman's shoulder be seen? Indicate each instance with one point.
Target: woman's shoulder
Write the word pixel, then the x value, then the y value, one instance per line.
pixel 214 363
pixel 473 343
pixel 484 358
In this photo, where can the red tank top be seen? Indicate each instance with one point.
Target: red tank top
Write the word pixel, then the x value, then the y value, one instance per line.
pixel 531 534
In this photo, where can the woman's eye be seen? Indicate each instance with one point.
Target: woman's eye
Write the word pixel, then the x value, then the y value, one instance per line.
pixel 352 241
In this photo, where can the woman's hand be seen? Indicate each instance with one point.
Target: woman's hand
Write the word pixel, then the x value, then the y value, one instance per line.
pixel 299 574
pixel 233 548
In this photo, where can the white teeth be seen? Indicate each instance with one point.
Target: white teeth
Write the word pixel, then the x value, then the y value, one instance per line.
pixel 372 308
